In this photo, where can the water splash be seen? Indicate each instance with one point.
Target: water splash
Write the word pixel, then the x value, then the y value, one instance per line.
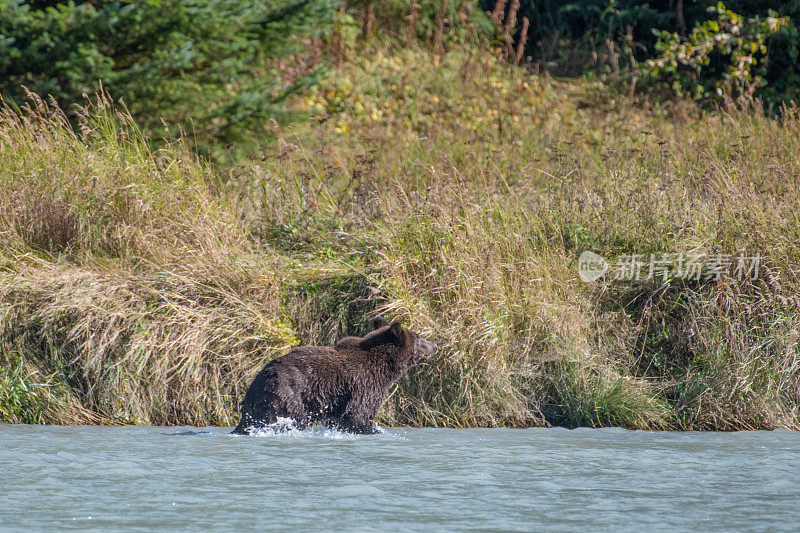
pixel 287 428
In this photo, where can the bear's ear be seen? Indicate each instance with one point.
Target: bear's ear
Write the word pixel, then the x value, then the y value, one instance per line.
pixel 379 322
pixel 392 335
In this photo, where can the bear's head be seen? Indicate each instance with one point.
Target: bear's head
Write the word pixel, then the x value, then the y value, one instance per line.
pixel 406 346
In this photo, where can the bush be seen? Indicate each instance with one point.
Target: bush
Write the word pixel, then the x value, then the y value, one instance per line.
pixel 612 36
pixel 724 57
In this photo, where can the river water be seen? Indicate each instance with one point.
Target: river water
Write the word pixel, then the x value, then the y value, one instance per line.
pixel 404 479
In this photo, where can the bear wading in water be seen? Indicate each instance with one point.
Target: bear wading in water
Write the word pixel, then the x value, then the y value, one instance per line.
pixel 343 386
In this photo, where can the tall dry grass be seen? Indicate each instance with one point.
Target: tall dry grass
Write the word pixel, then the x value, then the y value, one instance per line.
pixel 148 287
pixel 126 283
pixel 482 192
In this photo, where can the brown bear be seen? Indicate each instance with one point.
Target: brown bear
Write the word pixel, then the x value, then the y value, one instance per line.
pixel 342 387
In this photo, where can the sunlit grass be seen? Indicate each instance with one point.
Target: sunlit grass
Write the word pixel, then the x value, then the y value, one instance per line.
pixel 455 197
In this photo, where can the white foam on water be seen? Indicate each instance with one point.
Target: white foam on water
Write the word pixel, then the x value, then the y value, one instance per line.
pixel 287 428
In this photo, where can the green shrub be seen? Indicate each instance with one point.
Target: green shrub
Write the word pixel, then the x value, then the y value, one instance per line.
pixel 722 57
pixel 19 402
pixel 210 67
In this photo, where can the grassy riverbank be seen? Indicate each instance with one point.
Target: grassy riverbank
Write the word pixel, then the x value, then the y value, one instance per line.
pixel 455 193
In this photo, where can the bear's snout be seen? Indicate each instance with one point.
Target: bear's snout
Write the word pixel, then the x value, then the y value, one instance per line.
pixel 428 348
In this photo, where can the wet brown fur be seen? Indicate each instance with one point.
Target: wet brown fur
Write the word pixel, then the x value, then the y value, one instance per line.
pixel 343 386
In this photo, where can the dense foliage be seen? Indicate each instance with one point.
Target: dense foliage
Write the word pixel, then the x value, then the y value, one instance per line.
pixel 219 71
pixel 722 57
pixel 618 35
pixel 212 67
